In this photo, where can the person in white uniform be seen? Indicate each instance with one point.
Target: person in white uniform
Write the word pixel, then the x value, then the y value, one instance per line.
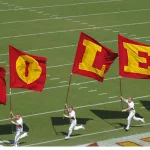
pixel 19 129
pixel 73 121
pixel 131 111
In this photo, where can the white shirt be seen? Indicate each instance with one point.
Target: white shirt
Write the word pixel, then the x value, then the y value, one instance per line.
pixel 20 126
pixel 131 105
pixel 73 115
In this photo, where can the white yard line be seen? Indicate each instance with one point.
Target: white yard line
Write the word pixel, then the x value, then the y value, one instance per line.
pixel 102 94
pixel 62 86
pixel 76 21
pixel 82 87
pixel 39 12
pixel 107 29
pixel 54 79
pixel 92 90
pixel 63 81
pixel 113 97
pixel 59 65
pixel 136 103
pixel 84 23
pixel 77 16
pixel 142 107
pixel 2 62
pixel 72 30
pixel 67 46
pixel 115 31
pixel 78 107
pixel 52 6
pixel 84 135
pixel 91 25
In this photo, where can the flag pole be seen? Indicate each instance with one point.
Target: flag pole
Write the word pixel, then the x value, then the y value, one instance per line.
pixel 68 90
pixel 121 90
pixel 10 108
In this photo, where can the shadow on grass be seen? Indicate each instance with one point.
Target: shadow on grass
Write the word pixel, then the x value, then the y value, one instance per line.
pixel 9 129
pixel 59 121
pixel 113 114
pixel 146 104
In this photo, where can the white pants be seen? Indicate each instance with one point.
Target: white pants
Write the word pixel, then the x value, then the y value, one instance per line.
pixel 74 127
pixel 19 135
pixel 132 115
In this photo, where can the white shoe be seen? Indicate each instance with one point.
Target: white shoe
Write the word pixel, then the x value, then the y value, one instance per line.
pixel 127 128
pixel 67 137
pixel 16 145
pixel 143 120
pixel 26 134
pixel 82 126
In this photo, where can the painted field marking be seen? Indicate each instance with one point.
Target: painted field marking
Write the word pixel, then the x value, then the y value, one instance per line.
pixel 73 4
pixel 56 140
pixel 128 143
pixel 77 16
pixel 115 31
pixel 18 6
pixel 47 14
pixel 62 86
pixel 68 19
pixel 78 107
pixel 82 87
pixel 142 107
pixel 2 62
pixel 73 30
pixel 131 35
pixel 54 79
pixel 108 29
pixel 76 21
pixel 112 96
pixel 92 90
pixel 91 25
pixel 39 12
pixel 59 65
pixel 102 94
pixel 84 135
pixel 67 46
pixel 63 81
pixel 32 10
pixel 84 23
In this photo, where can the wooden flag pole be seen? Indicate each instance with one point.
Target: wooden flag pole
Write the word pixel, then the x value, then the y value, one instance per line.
pixel 68 91
pixel 121 91
pixel 10 109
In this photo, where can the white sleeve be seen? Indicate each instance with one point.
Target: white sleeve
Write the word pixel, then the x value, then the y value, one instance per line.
pixel 19 122
pixel 132 105
pixel 72 114
pixel 126 101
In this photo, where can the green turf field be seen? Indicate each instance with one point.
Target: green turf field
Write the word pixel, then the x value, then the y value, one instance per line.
pixel 51 29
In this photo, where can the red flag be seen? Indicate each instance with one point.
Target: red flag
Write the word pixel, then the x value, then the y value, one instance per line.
pixel 134 58
pixel 2 86
pixel 26 71
pixel 92 58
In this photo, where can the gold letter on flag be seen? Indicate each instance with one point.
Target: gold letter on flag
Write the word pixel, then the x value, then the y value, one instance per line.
pixel 92 58
pixel 134 58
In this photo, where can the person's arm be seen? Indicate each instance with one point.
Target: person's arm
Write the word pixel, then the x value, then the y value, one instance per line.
pixel 123 99
pixel 66 106
pixel 15 123
pixel 129 108
pixel 12 115
pixel 70 117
